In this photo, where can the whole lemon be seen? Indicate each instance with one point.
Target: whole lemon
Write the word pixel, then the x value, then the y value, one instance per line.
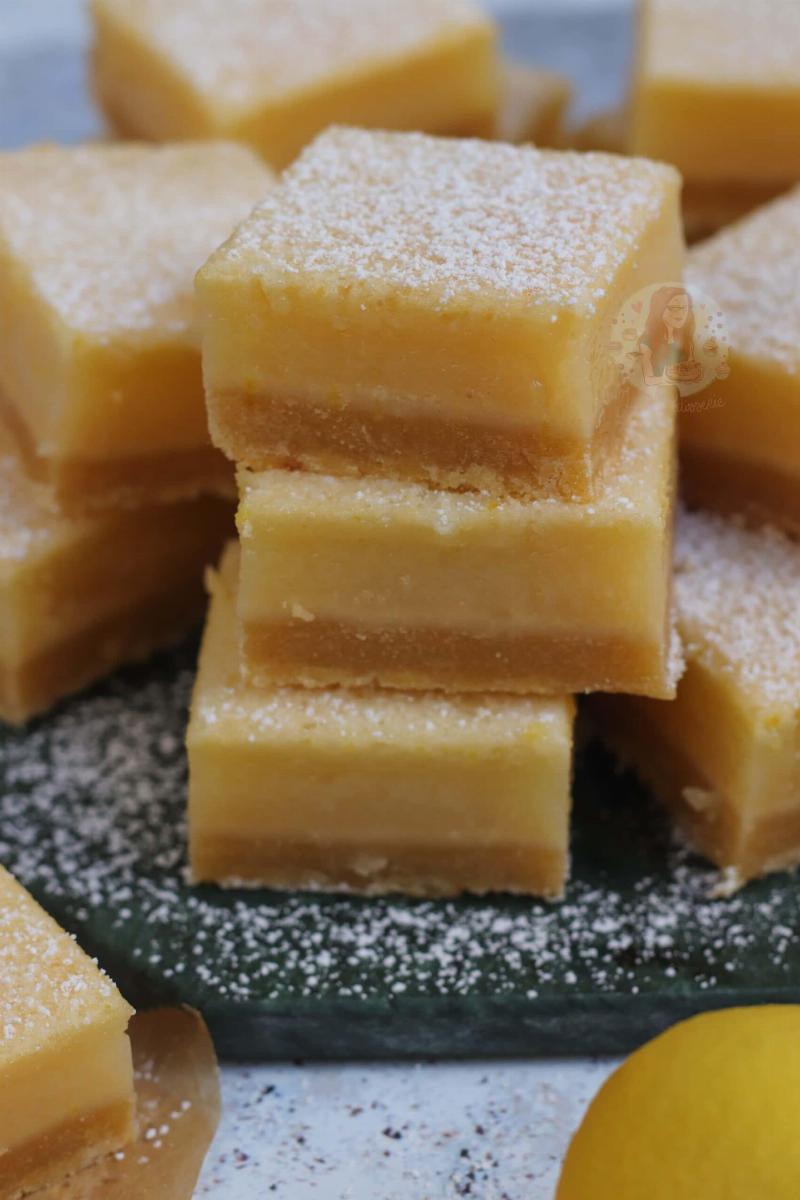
pixel 710 1110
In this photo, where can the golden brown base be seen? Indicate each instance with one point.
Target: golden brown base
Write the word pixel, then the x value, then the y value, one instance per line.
pixel 127 636
pixel 762 494
pixel 379 869
pixel 321 653
pixel 66 1149
pixel 709 822
pixel 260 432
pixel 82 486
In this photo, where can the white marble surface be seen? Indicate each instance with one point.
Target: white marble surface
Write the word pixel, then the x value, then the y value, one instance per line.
pixel 429 1131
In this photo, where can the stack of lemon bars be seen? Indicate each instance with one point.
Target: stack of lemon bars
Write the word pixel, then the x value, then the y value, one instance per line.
pixel 453 512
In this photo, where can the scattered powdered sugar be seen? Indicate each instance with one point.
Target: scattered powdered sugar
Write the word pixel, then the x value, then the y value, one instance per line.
pixel 111 235
pixel 736 593
pixel 453 219
pixel 751 270
pixel 251 52
pixel 723 42
pixel 48 986
pixel 92 817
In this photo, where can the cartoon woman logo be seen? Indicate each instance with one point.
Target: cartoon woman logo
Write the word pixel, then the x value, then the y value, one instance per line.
pixel 667 344
pixel 669 336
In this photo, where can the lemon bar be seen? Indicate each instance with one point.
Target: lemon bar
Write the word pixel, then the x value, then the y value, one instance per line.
pixel 368 790
pixel 273 73
pixel 66 1078
pixel 724 753
pixel 532 105
pixel 716 89
pixel 433 309
pixel 375 581
pixel 100 370
pixel 740 447
pixel 81 595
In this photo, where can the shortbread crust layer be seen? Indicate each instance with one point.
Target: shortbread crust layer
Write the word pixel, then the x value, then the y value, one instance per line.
pixel 74 1144
pixel 266 431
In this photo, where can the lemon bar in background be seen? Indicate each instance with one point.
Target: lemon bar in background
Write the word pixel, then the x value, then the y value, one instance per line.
pixel 66 1078
pixel 273 73
pixel 532 105
pixel 368 790
pixel 717 89
pixel 724 753
pixel 81 595
pixel 740 447
pixel 375 581
pixel 100 371
pixel 434 309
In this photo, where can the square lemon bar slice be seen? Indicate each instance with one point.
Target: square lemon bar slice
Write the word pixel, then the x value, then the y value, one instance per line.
pixel 724 753
pixel 740 445
pixel 81 595
pixel 716 89
pixel 100 369
pixel 66 1078
pixel 434 309
pixel 376 581
pixel 273 73
pixel 368 790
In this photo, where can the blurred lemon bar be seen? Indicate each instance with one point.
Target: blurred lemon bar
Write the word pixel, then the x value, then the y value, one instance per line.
pixel 434 310
pixel 716 89
pixel 376 581
pixel 66 1077
pixel 741 451
pixel 532 105
pixel 371 791
pixel 100 374
pixel 724 753
pixel 81 595
pixel 273 73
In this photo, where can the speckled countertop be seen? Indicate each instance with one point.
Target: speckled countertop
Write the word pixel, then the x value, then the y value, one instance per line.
pixel 428 1131
pixel 424 1131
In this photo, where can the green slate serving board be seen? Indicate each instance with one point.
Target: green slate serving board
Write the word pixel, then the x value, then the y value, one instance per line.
pixel 92 804
pixel 92 820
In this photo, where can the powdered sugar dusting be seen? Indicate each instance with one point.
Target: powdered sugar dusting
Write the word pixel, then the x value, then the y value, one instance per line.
pixel 470 220
pixel 751 269
pixel 719 42
pixel 91 815
pixel 250 52
pixel 736 591
pixel 111 236
pixel 48 987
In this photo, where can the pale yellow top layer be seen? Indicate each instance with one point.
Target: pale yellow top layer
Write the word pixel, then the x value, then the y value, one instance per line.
pixel 113 235
pixel 736 43
pixel 228 706
pixel 751 270
pixel 737 603
pixel 456 220
pixel 248 52
pixel 628 489
pixel 49 989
